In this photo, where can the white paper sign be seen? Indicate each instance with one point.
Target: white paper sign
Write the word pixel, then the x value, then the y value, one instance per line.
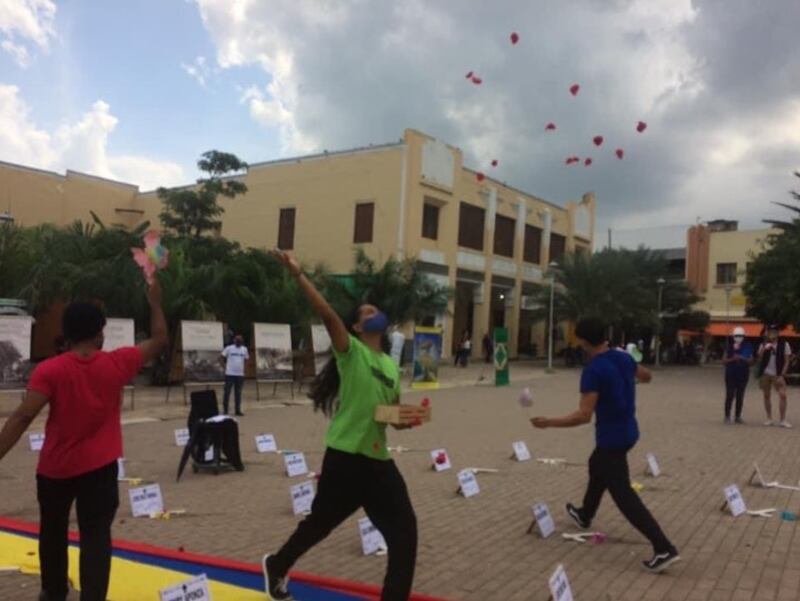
pixel 120 468
pixel 36 441
pixel 146 500
pixel 521 452
pixel 544 519
pixel 265 443
pixel 655 470
pixel 118 333
pixel 441 460
pixel 559 585
pixel 195 589
pixel 181 437
pixel 469 483
pixel 302 497
pixel 735 500
pixel 371 538
pixel 321 343
pixel 295 464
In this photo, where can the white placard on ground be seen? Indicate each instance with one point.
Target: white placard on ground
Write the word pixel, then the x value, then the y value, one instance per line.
pixel 521 452
pixel 120 468
pixel 371 538
pixel 36 441
pixel 295 464
pixel 559 585
pixel 146 500
pixel 469 483
pixel 653 466
pixel 265 443
pixel 441 460
pixel 302 497
pixel 181 437
pixel 195 589
pixel 735 500
pixel 544 519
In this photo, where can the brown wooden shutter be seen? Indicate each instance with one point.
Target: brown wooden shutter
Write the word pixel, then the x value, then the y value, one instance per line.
pixel 533 244
pixel 365 213
pixel 286 229
pixel 471 223
pixel 430 221
pixel 558 247
pixel 503 236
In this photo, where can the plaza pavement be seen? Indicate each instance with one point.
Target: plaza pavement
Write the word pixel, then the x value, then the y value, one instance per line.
pixel 477 548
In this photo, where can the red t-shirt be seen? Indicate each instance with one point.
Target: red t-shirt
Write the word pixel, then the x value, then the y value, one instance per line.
pixel 83 431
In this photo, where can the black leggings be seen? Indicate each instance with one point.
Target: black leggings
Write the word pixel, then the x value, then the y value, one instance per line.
pixel 97 496
pixel 348 482
pixel 734 387
pixel 608 469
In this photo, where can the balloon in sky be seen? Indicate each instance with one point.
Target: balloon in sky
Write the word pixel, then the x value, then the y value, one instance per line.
pixel 574 88
pixel 620 153
pixel 598 140
pixel 587 162
pixel 641 126
pixel 514 37
pixel 550 127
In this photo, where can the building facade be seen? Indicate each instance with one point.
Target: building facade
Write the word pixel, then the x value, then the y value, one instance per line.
pixel 413 198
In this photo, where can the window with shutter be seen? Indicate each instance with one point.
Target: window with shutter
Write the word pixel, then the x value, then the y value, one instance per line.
pixel 365 213
pixel 533 244
pixel 558 247
pixel 430 221
pixel 286 229
pixel 470 226
pixel 503 236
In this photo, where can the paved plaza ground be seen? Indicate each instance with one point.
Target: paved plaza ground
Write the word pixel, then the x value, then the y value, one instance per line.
pixel 477 549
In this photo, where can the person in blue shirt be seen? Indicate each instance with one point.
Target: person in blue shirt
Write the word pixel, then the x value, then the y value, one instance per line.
pixel 608 390
pixel 737 360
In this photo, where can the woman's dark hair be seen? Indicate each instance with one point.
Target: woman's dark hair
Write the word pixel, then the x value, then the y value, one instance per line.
pixel 82 321
pixel 324 390
pixel 592 330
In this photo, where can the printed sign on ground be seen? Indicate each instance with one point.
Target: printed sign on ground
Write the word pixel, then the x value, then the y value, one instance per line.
pixel 181 437
pixel 302 497
pixel 195 589
pixel 521 452
pixel 265 443
pixel 146 500
pixel 544 519
pixel 371 538
pixel 559 585
pixel 295 464
pixel 441 461
pixel 735 500
pixel 36 441
pixel 469 483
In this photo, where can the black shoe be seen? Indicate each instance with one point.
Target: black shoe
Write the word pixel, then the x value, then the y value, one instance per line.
pixel 739 420
pixel 239 414
pixel 661 561
pixel 577 517
pixel 275 585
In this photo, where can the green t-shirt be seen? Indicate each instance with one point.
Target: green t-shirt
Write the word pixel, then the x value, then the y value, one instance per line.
pixel 367 379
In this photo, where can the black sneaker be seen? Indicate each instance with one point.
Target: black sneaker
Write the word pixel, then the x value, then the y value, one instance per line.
pixel 577 517
pixel 276 586
pixel 661 561
pixel 739 420
pixel 239 414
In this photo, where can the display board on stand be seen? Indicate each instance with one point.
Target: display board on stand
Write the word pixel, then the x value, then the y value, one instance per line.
pixel 427 354
pixel 274 358
pixel 15 351
pixel 120 333
pixel 201 352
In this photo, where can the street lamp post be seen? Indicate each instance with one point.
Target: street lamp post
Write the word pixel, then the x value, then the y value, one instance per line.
pixel 553 266
pixel 660 282
pixel 728 290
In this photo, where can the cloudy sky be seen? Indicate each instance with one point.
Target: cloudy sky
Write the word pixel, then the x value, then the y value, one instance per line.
pixel 137 90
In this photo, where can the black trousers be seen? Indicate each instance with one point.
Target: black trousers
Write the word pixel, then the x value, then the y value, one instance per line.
pixel 97 497
pixel 235 382
pixel 608 469
pixel 348 482
pixel 735 386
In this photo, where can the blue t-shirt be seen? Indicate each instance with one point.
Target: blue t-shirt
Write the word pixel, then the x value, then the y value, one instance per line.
pixel 739 369
pixel 612 375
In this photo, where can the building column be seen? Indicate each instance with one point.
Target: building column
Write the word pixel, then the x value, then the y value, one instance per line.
pixel 483 316
pixel 516 293
pixel 547 229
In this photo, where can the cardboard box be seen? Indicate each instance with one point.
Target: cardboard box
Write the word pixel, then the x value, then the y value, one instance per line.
pixel 402 415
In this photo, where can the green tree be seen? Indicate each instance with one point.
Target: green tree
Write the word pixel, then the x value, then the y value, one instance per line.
pixel 193 212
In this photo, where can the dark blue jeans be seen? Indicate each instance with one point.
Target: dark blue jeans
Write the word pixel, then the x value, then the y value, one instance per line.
pixel 735 386
pixel 235 382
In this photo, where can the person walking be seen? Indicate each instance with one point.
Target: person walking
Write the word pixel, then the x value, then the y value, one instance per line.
pixel 608 389
pixel 235 356
pixel 83 440
pixel 463 350
pixel 357 470
pixel 488 348
pixel 737 360
pixel 774 358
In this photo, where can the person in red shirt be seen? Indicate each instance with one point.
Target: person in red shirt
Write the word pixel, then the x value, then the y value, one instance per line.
pixel 83 440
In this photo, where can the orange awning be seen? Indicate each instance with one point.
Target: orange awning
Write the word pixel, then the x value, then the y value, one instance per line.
pixel 751 330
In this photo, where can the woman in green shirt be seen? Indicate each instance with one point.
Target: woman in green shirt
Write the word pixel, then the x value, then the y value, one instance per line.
pixel 357 470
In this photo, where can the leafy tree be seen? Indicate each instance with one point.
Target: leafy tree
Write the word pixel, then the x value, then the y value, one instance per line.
pixel 193 212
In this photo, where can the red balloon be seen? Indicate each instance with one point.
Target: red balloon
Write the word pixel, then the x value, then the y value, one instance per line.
pixel 574 89
pixel 469 75
pixel 598 140
pixel 587 162
pixel 620 153
pixel 495 162
pixel 641 126
pixel 550 127
pixel 514 37
pixel 476 80
pixel 480 176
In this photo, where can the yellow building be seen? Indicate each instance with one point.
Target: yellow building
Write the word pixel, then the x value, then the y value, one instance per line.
pixel 411 198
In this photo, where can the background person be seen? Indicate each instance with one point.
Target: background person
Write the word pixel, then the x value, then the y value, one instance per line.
pixel 236 356
pixel 774 357
pixel 83 440
pixel 737 360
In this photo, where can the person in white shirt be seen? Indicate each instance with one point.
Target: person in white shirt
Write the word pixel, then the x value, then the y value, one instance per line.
pixel 235 355
pixel 774 357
